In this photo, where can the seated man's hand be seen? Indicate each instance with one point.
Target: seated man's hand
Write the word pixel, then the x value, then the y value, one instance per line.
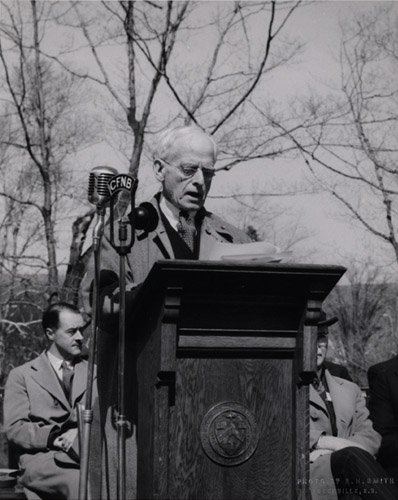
pixel 334 443
pixel 65 440
pixel 318 453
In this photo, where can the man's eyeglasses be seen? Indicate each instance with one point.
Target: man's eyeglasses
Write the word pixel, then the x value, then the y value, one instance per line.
pixel 190 170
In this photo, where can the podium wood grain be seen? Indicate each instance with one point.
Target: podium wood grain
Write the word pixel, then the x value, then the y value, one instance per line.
pixel 224 356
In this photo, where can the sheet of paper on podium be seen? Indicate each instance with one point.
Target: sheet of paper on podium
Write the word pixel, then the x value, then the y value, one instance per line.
pixel 259 251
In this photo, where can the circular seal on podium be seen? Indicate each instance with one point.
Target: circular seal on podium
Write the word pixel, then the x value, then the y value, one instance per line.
pixel 229 433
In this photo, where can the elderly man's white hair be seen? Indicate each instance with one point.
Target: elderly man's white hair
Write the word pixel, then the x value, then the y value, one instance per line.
pixel 169 139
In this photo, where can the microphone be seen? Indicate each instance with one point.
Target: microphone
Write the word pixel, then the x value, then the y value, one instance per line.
pixel 99 195
pixel 98 191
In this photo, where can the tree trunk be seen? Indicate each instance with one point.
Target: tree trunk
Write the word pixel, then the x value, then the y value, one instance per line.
pixel 45 146
pixel 77 260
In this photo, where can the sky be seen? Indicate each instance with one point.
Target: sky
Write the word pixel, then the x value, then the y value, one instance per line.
pixel 333 237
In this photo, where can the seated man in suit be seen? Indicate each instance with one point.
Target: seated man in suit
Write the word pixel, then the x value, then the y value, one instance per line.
pixel 184 164
pixel 40 399
pixel 343 442
pixel 383 407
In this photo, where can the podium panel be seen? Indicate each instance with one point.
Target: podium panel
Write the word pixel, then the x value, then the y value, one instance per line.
pixel 224 356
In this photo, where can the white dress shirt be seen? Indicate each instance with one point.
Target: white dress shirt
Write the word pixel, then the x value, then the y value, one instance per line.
pixel 56 363
pixel 171 212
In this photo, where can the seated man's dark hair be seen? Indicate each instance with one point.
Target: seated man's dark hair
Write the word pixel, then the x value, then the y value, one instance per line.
pixel 51 314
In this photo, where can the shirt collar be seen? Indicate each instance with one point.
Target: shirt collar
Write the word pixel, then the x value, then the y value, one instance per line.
pixel 171 212
pixel 55 362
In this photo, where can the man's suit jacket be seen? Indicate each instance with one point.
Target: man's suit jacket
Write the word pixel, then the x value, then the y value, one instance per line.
pixel 34 405
pixel 383 407
pixel 352 422
pixel 149 247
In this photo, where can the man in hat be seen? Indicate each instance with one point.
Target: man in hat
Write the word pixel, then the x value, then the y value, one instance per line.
pixel 334 369
pixel 343 442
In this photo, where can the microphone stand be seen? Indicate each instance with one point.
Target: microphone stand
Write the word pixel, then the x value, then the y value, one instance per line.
pixel 87 412
pixel 123 246
pixel 105 182
pixel 121 421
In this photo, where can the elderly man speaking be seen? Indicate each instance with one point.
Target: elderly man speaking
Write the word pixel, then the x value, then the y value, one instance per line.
pixel 184 165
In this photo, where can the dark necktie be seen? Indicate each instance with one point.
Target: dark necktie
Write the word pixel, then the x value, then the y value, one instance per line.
pixel 186 229
pixel 67 376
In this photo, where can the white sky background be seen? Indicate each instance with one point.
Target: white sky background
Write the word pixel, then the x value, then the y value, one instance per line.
pixel 335 238
pixel 332 237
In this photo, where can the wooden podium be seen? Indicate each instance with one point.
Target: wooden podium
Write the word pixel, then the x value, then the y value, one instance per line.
pixel 225 352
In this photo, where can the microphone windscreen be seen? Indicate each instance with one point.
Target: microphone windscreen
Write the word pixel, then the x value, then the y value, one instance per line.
pixel 98 191
pixel 146 217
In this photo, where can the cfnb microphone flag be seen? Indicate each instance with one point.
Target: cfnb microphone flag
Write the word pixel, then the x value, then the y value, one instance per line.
pixel 122 182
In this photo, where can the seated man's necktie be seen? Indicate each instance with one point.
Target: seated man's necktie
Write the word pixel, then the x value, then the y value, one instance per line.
pixel 186 228
pixel 67 376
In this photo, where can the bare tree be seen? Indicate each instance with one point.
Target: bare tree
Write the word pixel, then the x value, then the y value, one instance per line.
pixel 160 82
pixel 168 80
pixel 267 212
pixel 348 139
pixel 41 131
pixel 41 105
pixel 153 64
pixel 363 336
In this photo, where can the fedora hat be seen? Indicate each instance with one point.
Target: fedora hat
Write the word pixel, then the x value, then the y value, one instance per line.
pixel 324 321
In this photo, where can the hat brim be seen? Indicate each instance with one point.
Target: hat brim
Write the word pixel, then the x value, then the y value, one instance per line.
pixel 328 322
